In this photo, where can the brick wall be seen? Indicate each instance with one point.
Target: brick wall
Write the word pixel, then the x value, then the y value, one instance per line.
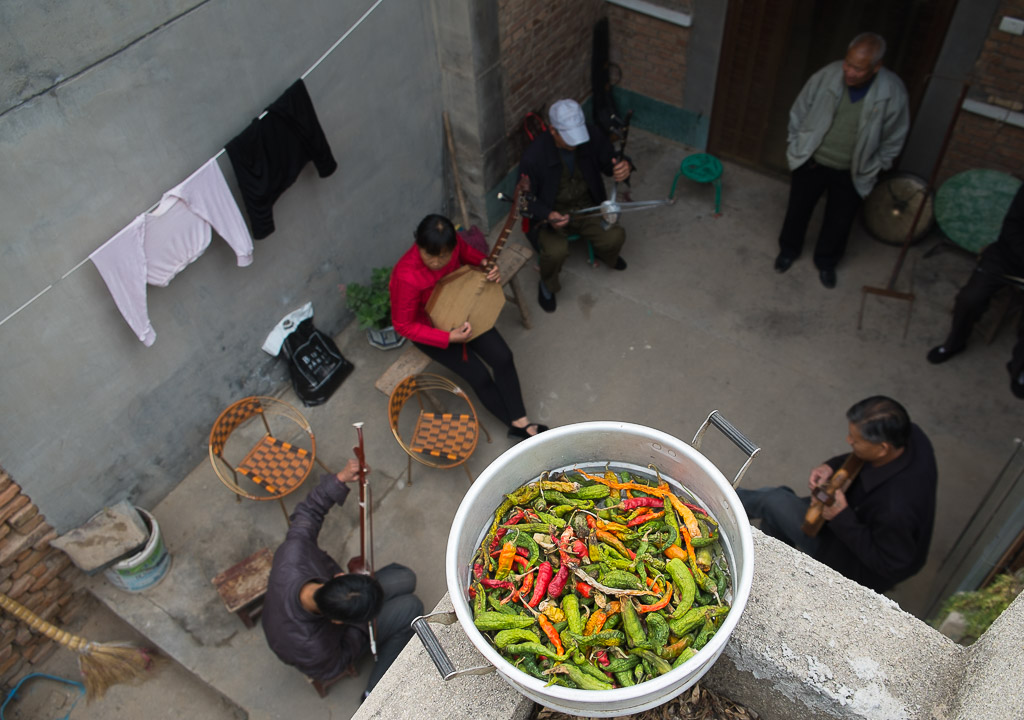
pixel 545 55
pixel 980 142
pixel 651 54
pixel 36 575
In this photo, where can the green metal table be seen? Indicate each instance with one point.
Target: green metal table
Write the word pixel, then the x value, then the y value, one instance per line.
pixel 970 207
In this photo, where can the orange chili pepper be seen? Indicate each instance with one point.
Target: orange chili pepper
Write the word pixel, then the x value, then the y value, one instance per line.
pixel 665 493
pixel 659 604
pixel 613 541
pixel 690 554
pixel 527 584
pixel 676 552
pixel 508 553
pixel 596 622
pixel 552 634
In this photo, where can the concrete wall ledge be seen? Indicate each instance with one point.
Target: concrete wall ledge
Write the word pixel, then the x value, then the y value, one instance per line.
pixel 811 644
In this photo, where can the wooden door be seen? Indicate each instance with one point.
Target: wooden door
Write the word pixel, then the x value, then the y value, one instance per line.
pixel 771 47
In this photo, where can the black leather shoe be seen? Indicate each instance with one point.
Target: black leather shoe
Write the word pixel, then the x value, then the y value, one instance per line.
pixel 828 278
pixel 524 432
pixel 1017 383
pixel 620 263
pixel 940 354
pixel 547 304
pixel 783 262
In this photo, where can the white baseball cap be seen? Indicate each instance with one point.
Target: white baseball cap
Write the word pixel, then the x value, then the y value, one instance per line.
pixel 566 117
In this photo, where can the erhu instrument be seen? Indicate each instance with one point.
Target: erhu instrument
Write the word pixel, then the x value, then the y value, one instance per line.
pixel 363 563
pixel 826 494
pixel 466 295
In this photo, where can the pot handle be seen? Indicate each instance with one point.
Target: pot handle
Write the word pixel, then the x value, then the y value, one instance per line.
pixel 436 652
pixel 731 432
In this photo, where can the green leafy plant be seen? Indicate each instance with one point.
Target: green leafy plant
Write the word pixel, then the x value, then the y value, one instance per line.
pixel 372 303
pixel 981 607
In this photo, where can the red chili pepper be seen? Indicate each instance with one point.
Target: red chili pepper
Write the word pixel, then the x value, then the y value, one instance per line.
pixel 591 522
pixel 497 538
pixel 519 551
pixel 557 584
pixel 478 571
pixel 602 657
pixel 503 584
pixel 634 503
pixel 544 573
pixel 580 548
pixel 472 592
pixel 515 517
pixel 583 589
pixel 646 517
pixel 527 584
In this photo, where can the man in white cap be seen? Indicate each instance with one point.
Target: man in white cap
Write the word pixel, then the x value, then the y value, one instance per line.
pixel 565 167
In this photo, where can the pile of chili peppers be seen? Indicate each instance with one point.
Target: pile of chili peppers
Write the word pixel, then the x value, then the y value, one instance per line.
pixel 599 580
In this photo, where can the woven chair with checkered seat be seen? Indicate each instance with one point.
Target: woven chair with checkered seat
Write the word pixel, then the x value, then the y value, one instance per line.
pixel 446 429
pixel 278 451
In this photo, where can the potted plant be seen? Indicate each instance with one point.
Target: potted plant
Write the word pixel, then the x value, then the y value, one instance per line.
pixel 372 306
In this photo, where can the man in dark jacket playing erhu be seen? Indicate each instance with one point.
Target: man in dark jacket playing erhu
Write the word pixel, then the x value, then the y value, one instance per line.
pixel 315 616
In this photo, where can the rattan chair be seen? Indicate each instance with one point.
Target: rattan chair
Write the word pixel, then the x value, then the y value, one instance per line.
pixel 277 452
pixel 446 430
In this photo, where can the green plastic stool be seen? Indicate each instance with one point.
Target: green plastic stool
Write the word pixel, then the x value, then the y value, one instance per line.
pixel 590 248
pixel 702 168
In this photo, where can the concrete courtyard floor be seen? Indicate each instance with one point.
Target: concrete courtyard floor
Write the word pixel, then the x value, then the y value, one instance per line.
pixel 698 322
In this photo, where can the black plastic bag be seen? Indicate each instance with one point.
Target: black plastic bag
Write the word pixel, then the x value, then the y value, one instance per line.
pixel 315 364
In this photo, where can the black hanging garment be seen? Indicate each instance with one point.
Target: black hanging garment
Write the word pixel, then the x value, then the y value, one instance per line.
pixel 315 364
pixel 269 154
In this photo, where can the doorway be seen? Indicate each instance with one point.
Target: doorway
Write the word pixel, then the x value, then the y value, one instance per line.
pixel 771 47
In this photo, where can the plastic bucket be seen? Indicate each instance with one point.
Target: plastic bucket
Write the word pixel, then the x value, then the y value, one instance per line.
pixel 590 445
pixel 147 567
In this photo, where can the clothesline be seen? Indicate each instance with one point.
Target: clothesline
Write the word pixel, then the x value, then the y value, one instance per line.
pixel 217 155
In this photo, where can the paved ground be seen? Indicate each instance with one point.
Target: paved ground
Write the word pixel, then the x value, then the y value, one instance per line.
pixel 698 322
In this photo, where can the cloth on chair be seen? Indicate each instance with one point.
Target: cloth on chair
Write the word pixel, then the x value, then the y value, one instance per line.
pixel 157 245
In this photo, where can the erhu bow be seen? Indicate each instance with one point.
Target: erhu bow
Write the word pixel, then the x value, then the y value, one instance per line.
pixel 363 563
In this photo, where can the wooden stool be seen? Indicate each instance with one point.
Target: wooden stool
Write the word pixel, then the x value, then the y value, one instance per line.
pixel 321 685
pixel 242 587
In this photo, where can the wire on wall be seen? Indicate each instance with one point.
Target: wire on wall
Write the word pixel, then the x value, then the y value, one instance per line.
pixel 311 68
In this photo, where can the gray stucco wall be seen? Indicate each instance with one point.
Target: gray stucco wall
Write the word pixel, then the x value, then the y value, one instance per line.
pixel 103 107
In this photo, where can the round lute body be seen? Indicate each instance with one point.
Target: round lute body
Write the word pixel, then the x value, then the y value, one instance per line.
pixel 466 295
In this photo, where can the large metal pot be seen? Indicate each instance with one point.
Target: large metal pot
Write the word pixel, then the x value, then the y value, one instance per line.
pixel 592 444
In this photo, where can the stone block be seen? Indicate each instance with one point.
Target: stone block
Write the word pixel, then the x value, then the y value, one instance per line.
pixel 108 535
pixel 13 504
pixel 23 516
pixel 15 543
pixel 27 563
pixel 9 492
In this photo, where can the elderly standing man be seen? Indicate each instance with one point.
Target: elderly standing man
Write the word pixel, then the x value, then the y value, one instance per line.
pixel 565 167
pixel 847 125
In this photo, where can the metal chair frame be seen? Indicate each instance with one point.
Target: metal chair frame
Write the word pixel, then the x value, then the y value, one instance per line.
pixel 277 466
pixel 424 445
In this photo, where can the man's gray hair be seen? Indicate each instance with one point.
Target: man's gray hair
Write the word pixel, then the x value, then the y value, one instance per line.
pixel 874 41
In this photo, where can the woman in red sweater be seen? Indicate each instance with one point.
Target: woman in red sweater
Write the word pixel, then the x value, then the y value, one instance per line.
pixel 439 250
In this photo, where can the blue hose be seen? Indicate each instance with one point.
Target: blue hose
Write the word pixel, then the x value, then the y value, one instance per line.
pixel 11 695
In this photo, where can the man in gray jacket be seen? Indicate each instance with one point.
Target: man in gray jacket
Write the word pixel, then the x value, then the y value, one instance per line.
pixel 847 125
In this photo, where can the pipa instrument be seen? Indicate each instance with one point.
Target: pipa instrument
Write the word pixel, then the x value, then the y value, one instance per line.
pixel 826 494
pixel 466 295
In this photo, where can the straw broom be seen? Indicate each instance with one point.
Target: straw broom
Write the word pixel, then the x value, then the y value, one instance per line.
pixel 101 664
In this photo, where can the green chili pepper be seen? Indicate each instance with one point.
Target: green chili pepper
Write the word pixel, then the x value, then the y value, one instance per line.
pixel 515 635
pixel 585 681
pixel 684 583
pixel 685 655
pixel 560 511
pixel 500 621
pixel 657 631
pixel 530 528
pixel 525 540
pixel 631 623
pixel 692 618
pixel 672 522
pixel 494 600
pixel 605 638
pixel 551 520
pixel 657 664
pixel 593 671
pixel 571 608
pixel 623 580
pixel 534 648
pixel 529 664
pixel 625 678
pixel 597 491
pixel 616 665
